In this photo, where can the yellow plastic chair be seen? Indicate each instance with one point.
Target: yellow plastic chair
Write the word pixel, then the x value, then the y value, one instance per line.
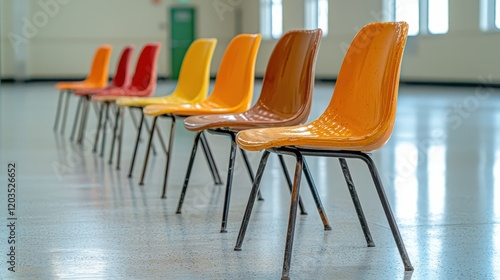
pixel 359 119
pixel 232 93
pixel 97 78
pixel 192 85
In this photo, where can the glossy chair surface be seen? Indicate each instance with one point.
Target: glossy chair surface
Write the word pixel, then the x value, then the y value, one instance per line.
pixel 122 75
pixel 285 99
pixel 232 93
pixel 362 111
pixel 286 94
pixel 144 78
pixel 359 118
pixel 233 88
pixel 193 82
pixel 98 75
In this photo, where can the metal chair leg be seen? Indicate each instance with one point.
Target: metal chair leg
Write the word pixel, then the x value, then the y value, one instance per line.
pixel 58 110
pixel 65 115
pixel 146 124
pixel 115 133
pixel 251 200
pixel 148 149
pixel 169 156
pixel 131 169
pixel 289 182
pixel 188 172
pixel 229 183
pixel 250 171
pixel 134 121
pixel 355 201
pixel 99 125
pixel 103 142
pixel 120 139
pixel 316 197
pixel 75 121
pixel 292 217
pixel 210 159
pixel 83 119
pixel 388 212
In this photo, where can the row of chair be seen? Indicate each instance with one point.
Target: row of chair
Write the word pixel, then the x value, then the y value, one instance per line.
pixel 359 118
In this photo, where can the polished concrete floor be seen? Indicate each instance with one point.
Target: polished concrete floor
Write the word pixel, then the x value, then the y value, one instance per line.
pixel 79 218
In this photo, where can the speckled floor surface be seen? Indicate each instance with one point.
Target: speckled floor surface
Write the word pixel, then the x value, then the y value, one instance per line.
pixel 441 171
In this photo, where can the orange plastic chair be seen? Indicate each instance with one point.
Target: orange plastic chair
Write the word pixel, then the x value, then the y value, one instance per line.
pixel 97 78
pixel 285 99
pixel 359 118
pixel 232 93
pixel 143 84
pixel 192 85
pixel 121 79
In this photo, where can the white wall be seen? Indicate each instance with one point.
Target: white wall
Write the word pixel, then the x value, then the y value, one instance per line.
pixel 64 46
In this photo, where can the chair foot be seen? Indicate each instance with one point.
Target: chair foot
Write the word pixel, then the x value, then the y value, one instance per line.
pixel 316 197
pixel 251 201
pixel 409 268
pixel 327 228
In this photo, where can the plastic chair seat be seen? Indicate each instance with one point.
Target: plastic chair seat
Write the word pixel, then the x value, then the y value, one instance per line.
pixel 203 108
pixel 145 101
pixel 320 134
pixel 77 85
pixel 236 122
pixel 117 93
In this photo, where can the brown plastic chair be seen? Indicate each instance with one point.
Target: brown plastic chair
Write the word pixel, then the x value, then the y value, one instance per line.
pixel 285 99
pixel 232 93
pixel 359 118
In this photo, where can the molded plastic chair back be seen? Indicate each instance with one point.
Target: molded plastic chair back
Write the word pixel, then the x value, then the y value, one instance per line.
pixel 194 77
pixel 287 89
pixel 288 84
pixel 122 75
pixel 365 95
pixel 98 76
pixel 235 79
pixel 144 79
pixel 362 111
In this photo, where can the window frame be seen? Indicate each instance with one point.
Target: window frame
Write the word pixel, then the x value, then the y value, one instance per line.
pixel 267 21
pixel 423 16
pixel 311 15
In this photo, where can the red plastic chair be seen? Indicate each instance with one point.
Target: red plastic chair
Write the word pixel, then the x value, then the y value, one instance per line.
pixel 143 85
pixel 121 79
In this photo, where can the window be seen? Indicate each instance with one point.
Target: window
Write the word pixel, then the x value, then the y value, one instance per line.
pixel 423 16
pixel 316 15
pixel 408 10
pixel 497 14
pixel 438 16
pixel 271 18
pixel 490 15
